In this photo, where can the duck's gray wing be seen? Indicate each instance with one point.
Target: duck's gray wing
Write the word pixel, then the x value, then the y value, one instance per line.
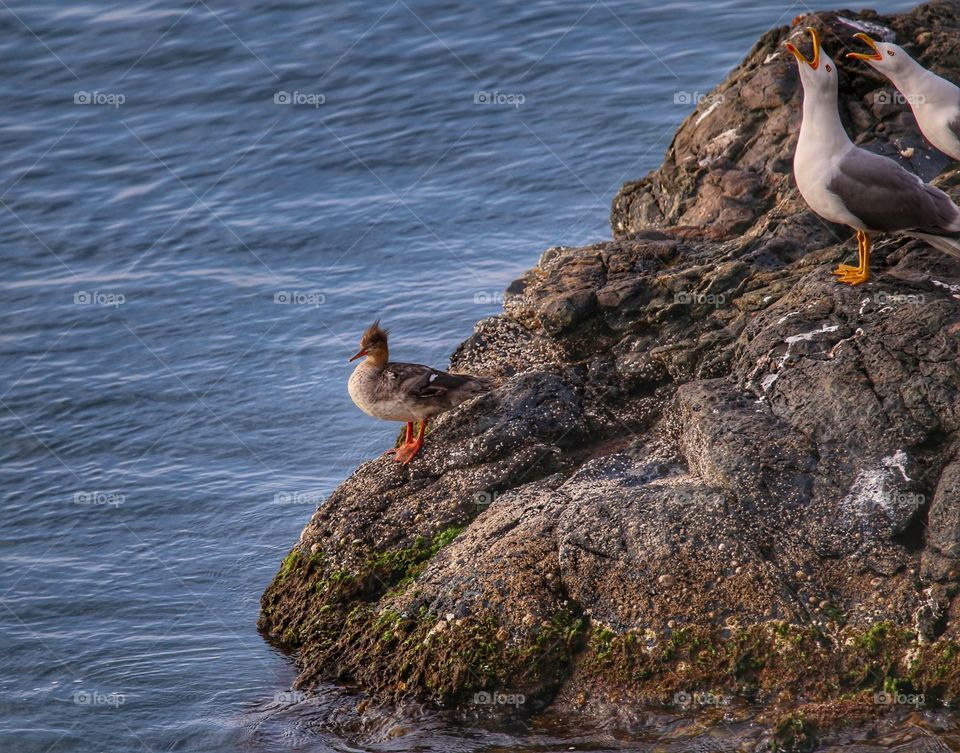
pixel 886 197
pixel 423 383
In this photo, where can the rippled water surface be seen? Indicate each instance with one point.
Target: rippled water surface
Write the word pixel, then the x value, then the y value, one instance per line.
pixel 202 205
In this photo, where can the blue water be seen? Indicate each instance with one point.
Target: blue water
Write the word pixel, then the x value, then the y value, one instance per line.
pixel 187 264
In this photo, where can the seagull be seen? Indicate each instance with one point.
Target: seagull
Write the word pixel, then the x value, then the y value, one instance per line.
pixel 405 391
pixel 851 186
pixel 935 101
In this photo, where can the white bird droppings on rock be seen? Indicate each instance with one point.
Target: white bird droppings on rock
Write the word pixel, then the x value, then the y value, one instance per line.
pixel 711 108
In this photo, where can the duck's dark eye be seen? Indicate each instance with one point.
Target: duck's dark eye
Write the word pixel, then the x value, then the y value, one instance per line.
pixel 890 53
pixel 829 69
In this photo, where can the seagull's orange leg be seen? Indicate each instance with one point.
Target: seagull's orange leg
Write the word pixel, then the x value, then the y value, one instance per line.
pixel 843 270
pixel 406 453
pixel 408 440
pixel 860 273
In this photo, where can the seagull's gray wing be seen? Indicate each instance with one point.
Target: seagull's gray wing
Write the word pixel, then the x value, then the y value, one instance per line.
pixel 885 197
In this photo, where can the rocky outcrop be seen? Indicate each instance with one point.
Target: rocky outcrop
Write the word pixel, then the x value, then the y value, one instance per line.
pixel 708 465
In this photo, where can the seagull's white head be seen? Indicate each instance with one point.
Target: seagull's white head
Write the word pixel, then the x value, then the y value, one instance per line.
pixel 887 57
pixel 819 73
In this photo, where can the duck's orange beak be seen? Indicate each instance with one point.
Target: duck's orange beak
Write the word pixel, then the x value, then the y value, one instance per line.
pixel 359 354
pixel 815 61
pixel 875 55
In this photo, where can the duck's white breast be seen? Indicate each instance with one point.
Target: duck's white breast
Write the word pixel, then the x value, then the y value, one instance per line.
pixel 362 387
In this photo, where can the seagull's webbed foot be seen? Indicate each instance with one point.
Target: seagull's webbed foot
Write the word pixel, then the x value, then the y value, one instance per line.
pixel 853 277
pixel 844 269
pixel 850 275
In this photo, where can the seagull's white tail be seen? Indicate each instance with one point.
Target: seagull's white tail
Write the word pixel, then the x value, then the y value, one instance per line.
pixel 940 242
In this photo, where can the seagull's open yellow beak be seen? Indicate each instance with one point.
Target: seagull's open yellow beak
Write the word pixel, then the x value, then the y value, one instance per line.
pixel 357 355
pixel 875 55
pixel 815 61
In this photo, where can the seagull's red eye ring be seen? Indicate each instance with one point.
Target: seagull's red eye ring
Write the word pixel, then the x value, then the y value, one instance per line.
pixel 829 69
pixel 890 53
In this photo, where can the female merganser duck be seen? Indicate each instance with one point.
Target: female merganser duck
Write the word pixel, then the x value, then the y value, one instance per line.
pixel 405 391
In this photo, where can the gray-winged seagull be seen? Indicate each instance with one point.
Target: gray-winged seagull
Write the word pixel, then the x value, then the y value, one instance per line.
pixel 935 101
pixel 846 184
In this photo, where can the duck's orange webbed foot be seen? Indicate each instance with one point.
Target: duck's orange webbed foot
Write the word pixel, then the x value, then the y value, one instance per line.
pixel 407 451
pixel 408 440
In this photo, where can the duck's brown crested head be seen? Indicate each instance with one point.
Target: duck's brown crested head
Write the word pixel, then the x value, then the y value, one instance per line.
pixel 373 343
pixel 374 336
